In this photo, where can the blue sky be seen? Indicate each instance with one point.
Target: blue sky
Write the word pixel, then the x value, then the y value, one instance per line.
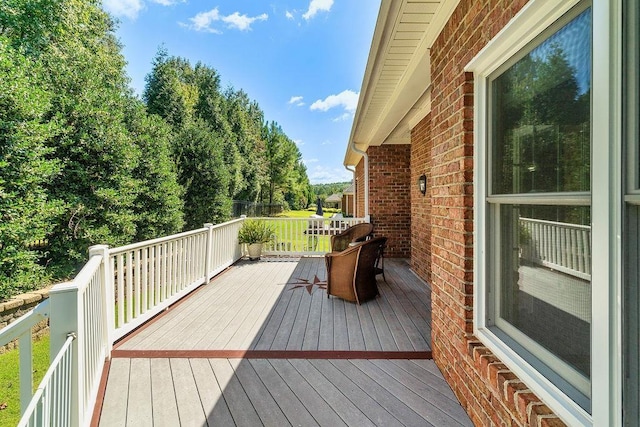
pixel 302 60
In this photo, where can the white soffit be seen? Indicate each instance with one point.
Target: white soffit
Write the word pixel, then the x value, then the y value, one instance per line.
pixel 397 79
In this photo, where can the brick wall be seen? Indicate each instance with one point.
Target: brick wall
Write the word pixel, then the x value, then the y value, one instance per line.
pixel 390 196
pixel 491 394
pixel 421 203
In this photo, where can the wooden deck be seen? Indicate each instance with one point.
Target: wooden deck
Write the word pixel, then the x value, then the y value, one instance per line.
pixel 255 347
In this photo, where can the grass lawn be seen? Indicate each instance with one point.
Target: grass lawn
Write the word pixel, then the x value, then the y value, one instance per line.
pixel 306 213
pixel 298 241
pixel 10 380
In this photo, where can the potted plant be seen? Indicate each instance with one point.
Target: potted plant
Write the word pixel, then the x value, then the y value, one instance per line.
pixel 254 234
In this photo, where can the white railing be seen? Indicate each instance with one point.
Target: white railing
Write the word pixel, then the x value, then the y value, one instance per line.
pixel 80 308
pixel 305 236
pixel 150 276
pixel 121 288
pixel 561 246
pixel 21 330
pixel 52 404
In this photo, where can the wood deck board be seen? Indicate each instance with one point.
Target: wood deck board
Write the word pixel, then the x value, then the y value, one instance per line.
pixel 369 334
pixel 140 414
pixel 257 306
pixel 282 392
pixel 163 395
pixel 266 407
pixel 424 400
pixel 335 398
pixel 356 395
pixel 190 408
pixel 213 403
pixel 265 306
pixel 243 412
pixel 223 321
pixel 389 401
pixel 116 398
pixel 246 315
pixel 313 402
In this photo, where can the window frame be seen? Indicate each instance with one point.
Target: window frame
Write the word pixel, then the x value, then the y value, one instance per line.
pixel 534 19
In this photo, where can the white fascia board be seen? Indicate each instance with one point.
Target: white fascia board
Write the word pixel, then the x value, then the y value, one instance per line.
pixel 388 8
pixel 416 81
pixel 412 87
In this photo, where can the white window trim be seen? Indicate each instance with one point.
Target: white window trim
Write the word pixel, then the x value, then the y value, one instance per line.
pixel 533 19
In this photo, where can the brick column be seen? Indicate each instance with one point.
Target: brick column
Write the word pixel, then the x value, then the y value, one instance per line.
pixel 390 196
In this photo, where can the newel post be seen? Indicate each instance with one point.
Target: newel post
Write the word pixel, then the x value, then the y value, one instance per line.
pixel 108 294
pixel 63 322
pixel 208 252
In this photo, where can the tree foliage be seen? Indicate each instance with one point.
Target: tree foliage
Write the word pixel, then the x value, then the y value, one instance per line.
pixel 84 162
pixel 26 210
pixel 261 163
pixel 203 175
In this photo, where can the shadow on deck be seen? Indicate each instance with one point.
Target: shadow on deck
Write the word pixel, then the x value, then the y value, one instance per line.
pixel 263 345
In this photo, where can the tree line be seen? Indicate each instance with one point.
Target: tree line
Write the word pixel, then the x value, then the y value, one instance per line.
pixel 84 161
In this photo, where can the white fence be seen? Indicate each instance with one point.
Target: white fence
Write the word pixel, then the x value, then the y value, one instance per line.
pixel 52 403
pixel 305 236
pixel 149 276
pixel 561 246
pixel 21 330
pixel 121 288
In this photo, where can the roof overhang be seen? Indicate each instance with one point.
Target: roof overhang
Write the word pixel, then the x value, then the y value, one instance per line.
pixel 396 89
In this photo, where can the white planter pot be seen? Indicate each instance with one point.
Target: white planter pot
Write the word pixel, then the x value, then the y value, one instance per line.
pixel 255 250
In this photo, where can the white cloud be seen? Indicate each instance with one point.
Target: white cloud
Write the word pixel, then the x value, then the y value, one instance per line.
pixel 126 8
pixel 289 15
pixel 347 99
pixel 316 6
pixel 343 117
pixel 131 8
pixel 327 142
pixel 298 142
pixel 243 22
pixel 310 161
pixel 327 175
pixel 204 21
pixel 297 101
pixel 168 2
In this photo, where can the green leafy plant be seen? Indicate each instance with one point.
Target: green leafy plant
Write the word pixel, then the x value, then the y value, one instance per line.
pixel 254 231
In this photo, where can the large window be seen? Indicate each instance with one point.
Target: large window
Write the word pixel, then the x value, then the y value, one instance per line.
pixel 539 214
pixel 541 301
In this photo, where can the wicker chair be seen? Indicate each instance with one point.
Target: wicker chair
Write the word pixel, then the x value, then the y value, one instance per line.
pixel 356 233
pixel 351 273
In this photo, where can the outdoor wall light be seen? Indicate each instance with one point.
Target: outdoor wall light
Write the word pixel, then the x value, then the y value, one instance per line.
pixel 422 184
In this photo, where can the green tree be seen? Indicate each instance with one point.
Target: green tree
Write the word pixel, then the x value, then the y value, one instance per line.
pixel 203 175
pixel 170 90
pixel 282 154
pixel 26 211
pixel 159 204
pixel 85 75
pixel 246 120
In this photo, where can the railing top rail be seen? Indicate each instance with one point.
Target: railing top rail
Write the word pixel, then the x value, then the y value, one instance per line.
pixel 24 323
pixel 138 245
pixel 226 223
pixel 556 223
